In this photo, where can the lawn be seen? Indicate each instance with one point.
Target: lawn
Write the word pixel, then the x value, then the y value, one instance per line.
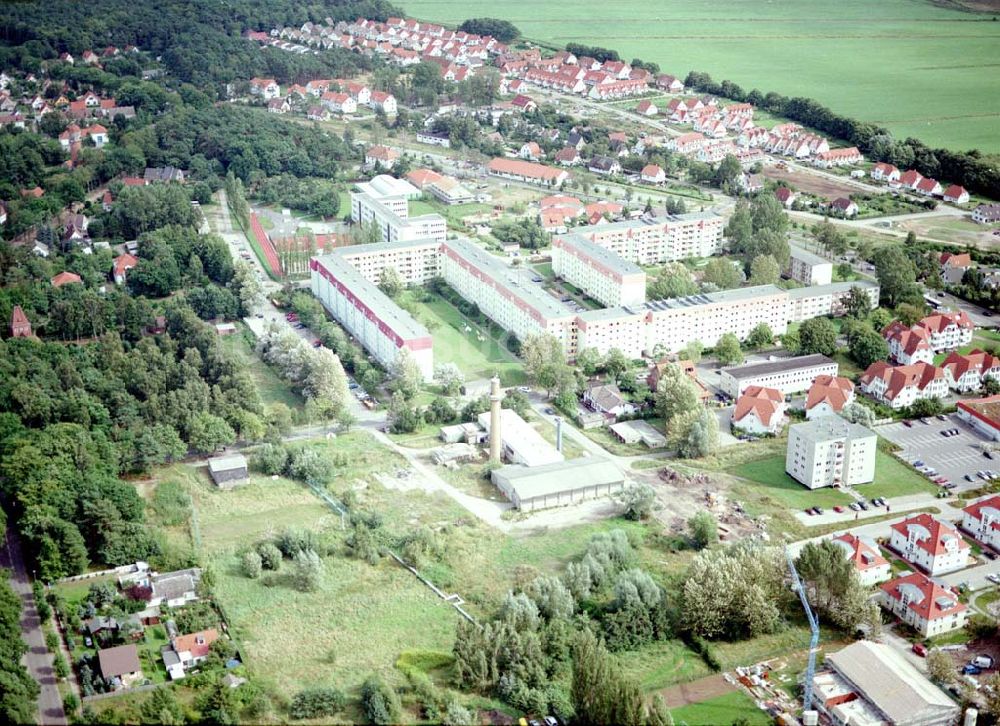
pixel 475 358
pixel 271 387
pixel 900 46
pixel 892 479
pixel 721 710
pixel 663 663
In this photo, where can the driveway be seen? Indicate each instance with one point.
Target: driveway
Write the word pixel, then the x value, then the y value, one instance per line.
pixel 38 659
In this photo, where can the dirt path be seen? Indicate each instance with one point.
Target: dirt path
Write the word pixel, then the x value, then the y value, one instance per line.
pixel 697 691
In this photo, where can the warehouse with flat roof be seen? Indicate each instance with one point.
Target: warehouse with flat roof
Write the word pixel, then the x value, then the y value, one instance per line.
pixel 788 375
pixel 558 484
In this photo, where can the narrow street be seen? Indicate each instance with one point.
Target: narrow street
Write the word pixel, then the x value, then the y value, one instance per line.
pixel 38 659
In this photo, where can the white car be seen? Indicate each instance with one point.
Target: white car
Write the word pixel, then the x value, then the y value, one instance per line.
pixel 524 389
pixel 994 578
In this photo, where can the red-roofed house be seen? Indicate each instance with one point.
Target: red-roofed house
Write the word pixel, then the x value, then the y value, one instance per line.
pixel 871 566
pixel 526 171
pixel 567 156
pixel 901 386
pixel 932 545
pixel 20 326
pixel 828 395
pixel 381 155
pixel 956 194
pixel 845 206
pixel 65 278
pixel 929 188
pixel 785 195
pixel 954 267
pixel 908 345
pixel 967 372
pixel 928 606
pixel 909 179
pixel 981 519
pixel 652 174
pixel 187 651
pixel 948 330
pixel 885 172
pixel 421 178
pixel 266 88
pixel 384 102
pixel 530 151
pixel 121 265
pixel 759 410
pixel 646 108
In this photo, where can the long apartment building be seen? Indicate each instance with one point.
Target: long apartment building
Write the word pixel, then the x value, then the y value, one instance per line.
pixel 598 271
pixel 805 303
pixel 653 240
pixel 379 324
pixel 384 202
pixel 417 262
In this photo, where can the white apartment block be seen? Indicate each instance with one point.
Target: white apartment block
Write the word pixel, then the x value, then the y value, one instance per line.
pixel 805 303
pixel 623 328
pixel 384 202
pixel 506 296
pixel 788 375
pixel 416 262
pixel 808 268
pixel 655 240
pixel 382 327
pixel 599 272
pixel 831 452
pixel 981 519
pixel 932 545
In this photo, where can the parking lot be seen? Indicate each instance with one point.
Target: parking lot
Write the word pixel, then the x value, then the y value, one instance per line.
pixel 952 457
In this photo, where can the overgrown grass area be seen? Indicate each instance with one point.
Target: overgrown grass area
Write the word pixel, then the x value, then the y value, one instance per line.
pixel 663 663
pixel 476 352
pixel 271 387
pixel 732 707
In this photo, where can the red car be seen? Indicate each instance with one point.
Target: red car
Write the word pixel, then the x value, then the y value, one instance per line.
pixel 838 509
pixel 920 649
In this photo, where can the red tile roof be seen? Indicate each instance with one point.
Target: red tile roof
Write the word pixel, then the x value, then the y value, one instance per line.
pixel 651 170
pixel 938 533
pixel 977 360
pixel 524 168
pixel 941 321
pixel 762 401
pixel 835 390
pixel 197 644
pixel 898 378
pixel 976 508
pixel 862 555
pixel 65 278
pixel 927 598
pixel 962 260
pixel 123 263
pixel 422 177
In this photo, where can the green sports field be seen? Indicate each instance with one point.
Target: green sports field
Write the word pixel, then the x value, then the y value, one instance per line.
pixel 919 69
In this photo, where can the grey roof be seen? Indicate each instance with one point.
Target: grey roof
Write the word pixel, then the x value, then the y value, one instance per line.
pixel 889 682
pixel 401 322
pixel 175 584
pixel 170 657
pixel 227 463
pixel 710 298
pixel 506 278
pixel 832 288
pixel 608 258
pixel 830 427
pixel 602 162
pixel 808 257
pixel 752 370
pixel 561 476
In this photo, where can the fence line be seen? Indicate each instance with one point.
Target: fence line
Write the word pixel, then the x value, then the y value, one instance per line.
pixel 120 692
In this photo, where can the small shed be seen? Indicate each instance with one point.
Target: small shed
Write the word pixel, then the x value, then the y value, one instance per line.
pixel 632 432
pixel 225 328
pixel 228 471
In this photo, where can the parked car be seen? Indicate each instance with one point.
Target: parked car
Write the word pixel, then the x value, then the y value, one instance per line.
pixel 942 417
pixel 863 504
pixel 918 463
pixel 969 477
pixel 971 670
pixel 983 661
pixel 809 511
pixel 994 578
pixel 988 454
pixel 908 424
pixel 855 506
pixel 920 649
pixel 989 554
pixel 838 509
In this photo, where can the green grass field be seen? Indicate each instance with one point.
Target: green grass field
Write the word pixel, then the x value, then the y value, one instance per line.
pixel 663 663
pixel 475 358
pixel 919 69
pixel 721 710
pixel 892 479
pixel 271 387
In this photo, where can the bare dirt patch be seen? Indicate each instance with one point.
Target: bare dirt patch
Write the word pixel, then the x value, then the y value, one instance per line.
pixel 810 183
pixel 960 231
pixel 697 691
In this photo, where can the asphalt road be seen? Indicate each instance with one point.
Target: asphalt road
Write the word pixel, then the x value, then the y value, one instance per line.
pixel 38 659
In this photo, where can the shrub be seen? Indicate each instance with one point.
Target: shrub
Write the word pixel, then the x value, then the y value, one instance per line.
pixel 317 702
pixel 380 703
pixel 251 565
pixel 270 459
pixel 270 556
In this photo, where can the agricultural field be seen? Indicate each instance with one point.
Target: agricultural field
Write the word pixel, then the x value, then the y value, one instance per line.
pixel 848 55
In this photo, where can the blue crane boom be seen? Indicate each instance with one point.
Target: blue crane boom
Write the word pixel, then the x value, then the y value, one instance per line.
pixel 813 627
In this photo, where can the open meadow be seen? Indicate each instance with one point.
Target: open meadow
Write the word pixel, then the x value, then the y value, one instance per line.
pixel 920 69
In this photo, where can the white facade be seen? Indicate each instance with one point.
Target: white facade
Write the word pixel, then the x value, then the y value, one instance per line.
pixel 599 272
pixel 930 544
pixel 831 452
pixel 384 202
pixel 655 240
pixel 809 269
pixel 925 605
pixel 788 375
pixel 982 521
pixel 805 303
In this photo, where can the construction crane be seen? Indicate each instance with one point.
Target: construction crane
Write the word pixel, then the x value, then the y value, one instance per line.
pixel 813 627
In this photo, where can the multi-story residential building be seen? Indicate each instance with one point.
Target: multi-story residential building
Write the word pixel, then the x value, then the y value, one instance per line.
pixel 384 202
pixel 981 519
pixel 908 345
pixel 967 372
pixel 808 268
pixel 986 214
pixel 417 262
pixel 933 334
pixel 932 545
pixel 954 266
pixel 928 606
pixel 653 240
pixel 828 395
pixel 831 452
pixel 869 564
pixel 788 375
pixel 381 326
pixel 599 272
pixel 900 386
pixel 759 411
pixel 816 301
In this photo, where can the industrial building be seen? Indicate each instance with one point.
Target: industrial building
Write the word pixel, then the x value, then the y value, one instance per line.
pixel 983 415
pixel 830 451
pixel 869 684
pixel 520 443
pixel 788 375
pixel 379 324
pixel 384 202
pixel 558 483
pixel 809 268
pixel 599 272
